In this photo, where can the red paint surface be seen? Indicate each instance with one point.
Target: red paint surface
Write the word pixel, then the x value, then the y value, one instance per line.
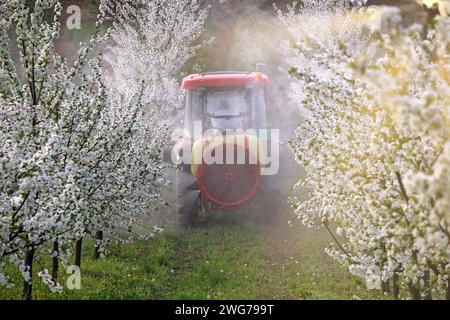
pixel 224 80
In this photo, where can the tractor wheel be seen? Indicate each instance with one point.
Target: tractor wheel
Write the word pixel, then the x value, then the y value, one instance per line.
pixel 187 198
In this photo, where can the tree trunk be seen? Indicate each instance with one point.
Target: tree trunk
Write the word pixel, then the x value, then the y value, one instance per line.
pixel 426 280
pixel 78 245
pixel 395 286
pixel 385 287
pixel 415 294
pixel 98 239
pixel 55 261
pixel 28 286
pixel 447 292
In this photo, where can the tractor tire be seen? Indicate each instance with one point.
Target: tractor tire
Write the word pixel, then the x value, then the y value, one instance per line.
pixel 187 198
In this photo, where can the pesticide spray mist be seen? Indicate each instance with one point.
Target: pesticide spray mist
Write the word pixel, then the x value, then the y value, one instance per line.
pixel 240 34
pixel 247 33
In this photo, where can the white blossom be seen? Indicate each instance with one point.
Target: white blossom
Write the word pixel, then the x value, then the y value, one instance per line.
pixel 375 143
pixel 81 147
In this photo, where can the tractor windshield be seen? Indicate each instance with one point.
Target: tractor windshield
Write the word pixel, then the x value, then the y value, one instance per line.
pixel 226 103
pixel 226 108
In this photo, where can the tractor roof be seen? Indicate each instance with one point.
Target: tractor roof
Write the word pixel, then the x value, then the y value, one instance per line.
pixel 224 79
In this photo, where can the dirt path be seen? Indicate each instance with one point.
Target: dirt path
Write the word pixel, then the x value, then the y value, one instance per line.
pixel 282 255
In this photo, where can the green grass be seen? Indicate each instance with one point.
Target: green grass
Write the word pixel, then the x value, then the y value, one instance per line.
pixel 309 273
pixel 216 261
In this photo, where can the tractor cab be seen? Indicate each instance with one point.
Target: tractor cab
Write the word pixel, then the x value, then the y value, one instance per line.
pixel 226 100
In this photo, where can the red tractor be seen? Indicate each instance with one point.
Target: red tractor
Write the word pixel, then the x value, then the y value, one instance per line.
pixel 224 114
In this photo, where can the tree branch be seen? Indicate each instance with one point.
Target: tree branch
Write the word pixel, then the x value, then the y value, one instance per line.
pixel 335 239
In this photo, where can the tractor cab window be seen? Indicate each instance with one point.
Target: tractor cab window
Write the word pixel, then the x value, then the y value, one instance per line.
pixel 226 108
pixel 226 104
pixel 258 108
